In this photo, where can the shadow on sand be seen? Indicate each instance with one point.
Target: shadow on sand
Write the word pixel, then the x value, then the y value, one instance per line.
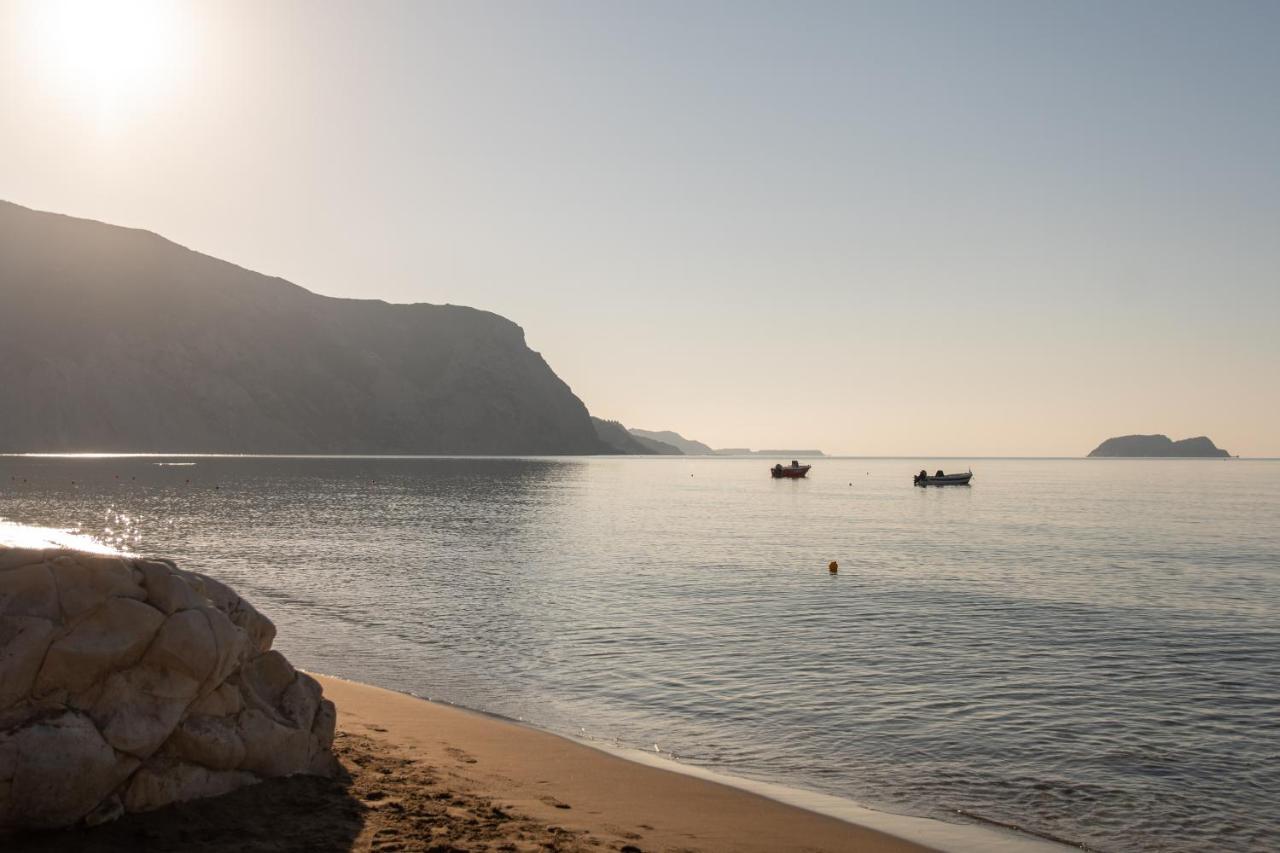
pixel 296 813
pixel 381 799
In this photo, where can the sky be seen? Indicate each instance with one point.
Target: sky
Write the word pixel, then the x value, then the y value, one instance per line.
pixel 871 228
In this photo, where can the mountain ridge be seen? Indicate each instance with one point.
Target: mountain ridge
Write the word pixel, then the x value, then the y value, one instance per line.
pixel 118 339
pixel 687 446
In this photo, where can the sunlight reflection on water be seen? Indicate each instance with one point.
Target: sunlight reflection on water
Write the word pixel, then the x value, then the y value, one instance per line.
pixel 1090 649
pixel 27 536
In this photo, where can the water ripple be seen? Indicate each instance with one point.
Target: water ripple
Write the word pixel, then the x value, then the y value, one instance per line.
pixel 1087 650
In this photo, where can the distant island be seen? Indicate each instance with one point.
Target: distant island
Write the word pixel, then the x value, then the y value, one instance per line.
pixel 1132 446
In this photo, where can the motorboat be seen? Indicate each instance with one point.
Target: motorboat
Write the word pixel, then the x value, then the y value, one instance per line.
pixel 793 471
pixel 940 479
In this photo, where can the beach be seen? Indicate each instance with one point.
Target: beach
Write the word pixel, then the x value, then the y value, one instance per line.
pixel 424 776
pixel 591 798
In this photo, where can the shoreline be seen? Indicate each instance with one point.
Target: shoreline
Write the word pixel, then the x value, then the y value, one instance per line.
pixel 635 797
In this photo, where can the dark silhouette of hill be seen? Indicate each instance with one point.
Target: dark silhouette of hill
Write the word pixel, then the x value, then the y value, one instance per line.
pixel 659 447
pixel 115 339
pixel 746 451
pixel 1158 445
pixel 621 440
pixel 687 446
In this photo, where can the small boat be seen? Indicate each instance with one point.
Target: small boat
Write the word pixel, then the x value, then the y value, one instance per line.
pixel 940 479
pixel 795 470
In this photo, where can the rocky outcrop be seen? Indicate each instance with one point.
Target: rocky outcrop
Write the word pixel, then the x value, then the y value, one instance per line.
pixel 1159 446
pixel 127 684
pixel 113 339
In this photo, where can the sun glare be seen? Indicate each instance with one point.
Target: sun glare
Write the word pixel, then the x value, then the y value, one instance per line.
pixel 110 57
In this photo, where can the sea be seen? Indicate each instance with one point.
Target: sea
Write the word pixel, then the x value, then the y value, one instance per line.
pixel 1086 649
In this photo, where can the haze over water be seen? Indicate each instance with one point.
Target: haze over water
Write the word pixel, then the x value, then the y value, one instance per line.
pixel 1088 649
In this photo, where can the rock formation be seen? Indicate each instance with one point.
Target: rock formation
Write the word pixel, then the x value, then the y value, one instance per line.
pixel 1159 446
pixel 127 684
pixel 115 339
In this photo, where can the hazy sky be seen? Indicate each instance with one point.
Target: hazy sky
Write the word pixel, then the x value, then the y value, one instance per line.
pixel 873 228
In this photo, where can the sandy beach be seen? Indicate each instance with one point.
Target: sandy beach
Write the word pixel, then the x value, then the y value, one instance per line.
pixel 592 798
pixel 423 776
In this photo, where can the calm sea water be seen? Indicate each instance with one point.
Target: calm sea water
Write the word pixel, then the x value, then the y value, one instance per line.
pixel 1088 649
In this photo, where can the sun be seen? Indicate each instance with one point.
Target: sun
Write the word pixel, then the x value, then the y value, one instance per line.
pixel 112 57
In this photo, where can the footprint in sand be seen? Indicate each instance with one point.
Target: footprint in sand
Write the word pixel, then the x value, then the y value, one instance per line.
pixel 552 801
pixel 460 755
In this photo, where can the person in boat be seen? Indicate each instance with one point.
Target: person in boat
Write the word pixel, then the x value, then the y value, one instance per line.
pixel 939 474
pixel 795 464
pixel 778 468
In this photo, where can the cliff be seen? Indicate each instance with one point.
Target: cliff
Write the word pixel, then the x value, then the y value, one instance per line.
pixel 1158 445
pixel 127 684
pixel 114 339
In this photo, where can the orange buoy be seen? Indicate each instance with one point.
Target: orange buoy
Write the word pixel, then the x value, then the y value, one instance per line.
pixel 833 567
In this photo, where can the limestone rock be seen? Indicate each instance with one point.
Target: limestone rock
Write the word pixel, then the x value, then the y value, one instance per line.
pixel 58 770
pixel 128 684
pixel 166 781
pixel 24 640
pixel 212 742
pixel 111 637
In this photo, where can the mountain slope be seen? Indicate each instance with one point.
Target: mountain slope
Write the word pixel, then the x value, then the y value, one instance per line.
pixel 620 440
pixel 114 339
pixel 687 446
pixel 659 447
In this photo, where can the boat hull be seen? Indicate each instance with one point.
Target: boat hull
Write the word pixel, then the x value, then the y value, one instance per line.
pixel 790 473
pixel 944 480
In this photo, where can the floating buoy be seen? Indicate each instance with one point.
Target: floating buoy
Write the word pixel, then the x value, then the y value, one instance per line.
pixel 833 567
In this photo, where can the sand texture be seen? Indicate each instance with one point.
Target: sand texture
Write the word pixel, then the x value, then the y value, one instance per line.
pixel 421 776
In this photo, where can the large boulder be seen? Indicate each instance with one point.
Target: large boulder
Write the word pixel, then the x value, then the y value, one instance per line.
pixel 127 684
